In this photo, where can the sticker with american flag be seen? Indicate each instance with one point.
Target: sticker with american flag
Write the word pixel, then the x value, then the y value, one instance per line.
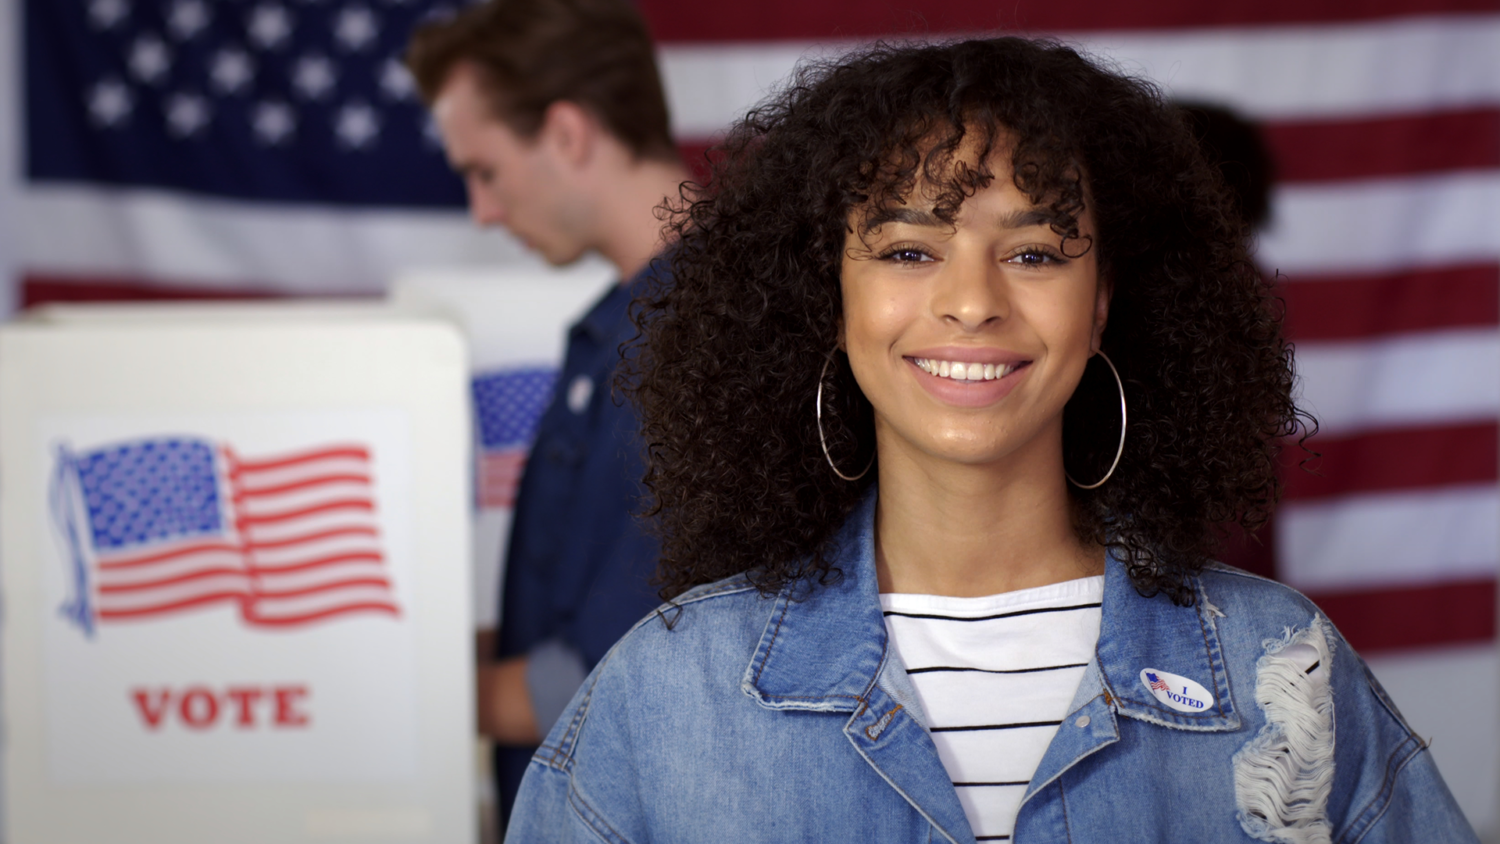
pixel 508 404
pixel 159 526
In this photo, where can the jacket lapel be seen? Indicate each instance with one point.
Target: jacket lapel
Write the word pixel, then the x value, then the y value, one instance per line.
pixel 824 649
pixel 1139 634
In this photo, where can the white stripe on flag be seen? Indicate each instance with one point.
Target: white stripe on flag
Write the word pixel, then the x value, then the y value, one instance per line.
pixel 1384 224
pixel 1443 377
pixel 1390 539
pixel 1315 71
pixel 165 237
pixel 1321 71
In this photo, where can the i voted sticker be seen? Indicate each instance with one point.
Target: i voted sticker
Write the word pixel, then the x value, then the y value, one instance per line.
pixel 1177 691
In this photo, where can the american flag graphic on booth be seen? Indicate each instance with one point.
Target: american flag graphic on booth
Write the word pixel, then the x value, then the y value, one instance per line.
pixel 160 526
pixel 508 405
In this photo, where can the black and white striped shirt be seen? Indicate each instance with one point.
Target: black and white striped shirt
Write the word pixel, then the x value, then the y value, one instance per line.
pixel 995 676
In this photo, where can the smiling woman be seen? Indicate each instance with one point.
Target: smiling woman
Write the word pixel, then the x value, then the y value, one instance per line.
pixel 982 148
pixel 981 270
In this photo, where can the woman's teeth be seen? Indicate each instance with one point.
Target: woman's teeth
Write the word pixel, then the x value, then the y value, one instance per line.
pixel 960 371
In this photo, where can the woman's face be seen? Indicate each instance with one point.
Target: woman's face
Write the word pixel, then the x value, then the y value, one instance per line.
pixel 968 339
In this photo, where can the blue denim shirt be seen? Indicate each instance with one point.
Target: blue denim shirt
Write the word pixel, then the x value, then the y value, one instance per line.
pixel 787 718
pixel 579 564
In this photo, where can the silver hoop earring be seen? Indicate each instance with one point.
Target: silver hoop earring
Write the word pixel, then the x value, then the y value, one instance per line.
pixel 1118 451
pixel 818 414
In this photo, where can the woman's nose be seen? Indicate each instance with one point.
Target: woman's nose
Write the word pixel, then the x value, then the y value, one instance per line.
pixel 971 293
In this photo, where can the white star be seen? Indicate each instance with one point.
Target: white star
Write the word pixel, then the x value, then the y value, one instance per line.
pixel 396 81
pixel 357 125
pixel 106 13
pixel 355 27
pixel 269 25
pixel 110 102
pixel 149 59
pixel 430 132
pixel 187 18
pixel 274 122
pixel 187 114
pixel 313 77
pixel 231 70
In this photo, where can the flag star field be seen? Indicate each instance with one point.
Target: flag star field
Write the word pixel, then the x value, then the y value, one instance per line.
pixel 266 100
pixel 152 490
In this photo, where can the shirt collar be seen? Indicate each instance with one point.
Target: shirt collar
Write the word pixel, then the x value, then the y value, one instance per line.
pixel 602 321
pixel 823 647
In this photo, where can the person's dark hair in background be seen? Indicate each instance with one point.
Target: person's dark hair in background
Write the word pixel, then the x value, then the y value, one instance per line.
pixel 1234 146
pixel 530 54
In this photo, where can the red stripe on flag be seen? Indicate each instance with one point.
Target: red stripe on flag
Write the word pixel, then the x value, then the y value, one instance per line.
pixel 332 586
pixel 1325 150
pixel 1396 459
pixel 181 551
pixel 110 614
pixel 1332 150
pixel 320 562
pixel 255 615
pixel 771 20
pixel 51 289
pixel 355 452
pixel 266 545
pixel 363 504
pixel 1361 306
pixel 201 574
pixel 1415 616
pixel 305 484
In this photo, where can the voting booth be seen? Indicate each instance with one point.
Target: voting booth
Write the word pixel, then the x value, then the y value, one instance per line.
pixel 235 560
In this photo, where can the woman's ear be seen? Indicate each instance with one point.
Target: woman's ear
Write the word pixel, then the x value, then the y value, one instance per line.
pixel 1101 313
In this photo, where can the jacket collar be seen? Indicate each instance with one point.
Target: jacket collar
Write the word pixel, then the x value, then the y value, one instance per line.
pixel 823 647
pixel 1139 634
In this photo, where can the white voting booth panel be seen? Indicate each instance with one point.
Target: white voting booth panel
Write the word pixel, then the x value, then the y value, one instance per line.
pixel 516 320
pixel 234 559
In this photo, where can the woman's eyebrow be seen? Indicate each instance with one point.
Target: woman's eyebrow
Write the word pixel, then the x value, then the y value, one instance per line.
pixel 904 214
pixel 1025 219
pixel 1018 219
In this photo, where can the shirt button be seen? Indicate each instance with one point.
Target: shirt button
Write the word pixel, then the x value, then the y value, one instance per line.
pixel 1081 722
pixel 579 393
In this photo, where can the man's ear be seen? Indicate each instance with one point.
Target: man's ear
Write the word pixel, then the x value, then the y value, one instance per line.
pixel 1101 312
pixel 570 131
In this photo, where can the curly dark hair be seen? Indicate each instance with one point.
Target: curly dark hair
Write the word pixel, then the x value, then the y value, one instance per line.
pixel 733 347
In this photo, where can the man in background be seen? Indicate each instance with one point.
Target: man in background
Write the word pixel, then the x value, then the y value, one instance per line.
pixel 553 113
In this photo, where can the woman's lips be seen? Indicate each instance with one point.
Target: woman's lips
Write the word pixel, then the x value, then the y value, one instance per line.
pixel 983 381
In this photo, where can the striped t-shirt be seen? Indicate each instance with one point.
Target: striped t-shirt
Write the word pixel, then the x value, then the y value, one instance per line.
pixel 995 676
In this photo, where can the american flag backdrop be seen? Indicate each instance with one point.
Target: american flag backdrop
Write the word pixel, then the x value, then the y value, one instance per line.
pixel 161 526
pixel 272 146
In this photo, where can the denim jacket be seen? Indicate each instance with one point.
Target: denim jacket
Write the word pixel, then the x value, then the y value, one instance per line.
pixel 730 716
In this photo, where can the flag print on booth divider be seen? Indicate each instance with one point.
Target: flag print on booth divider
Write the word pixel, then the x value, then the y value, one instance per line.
pixel 159 526
pixel 508 404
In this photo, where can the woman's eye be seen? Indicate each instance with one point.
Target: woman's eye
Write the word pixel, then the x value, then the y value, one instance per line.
pixel 1034 257
pixel 906 255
